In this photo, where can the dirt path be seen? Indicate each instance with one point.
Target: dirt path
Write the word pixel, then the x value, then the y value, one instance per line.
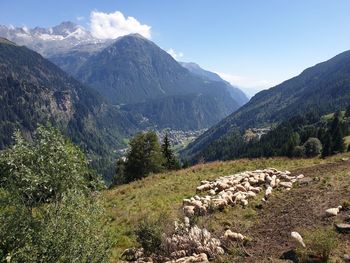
pixel 302 207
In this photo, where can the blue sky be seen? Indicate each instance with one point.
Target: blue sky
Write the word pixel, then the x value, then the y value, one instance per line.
pixel 253 43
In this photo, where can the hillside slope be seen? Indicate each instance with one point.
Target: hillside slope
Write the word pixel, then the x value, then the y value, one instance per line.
pixel 35 91
pixel 322 88
pixel 161 196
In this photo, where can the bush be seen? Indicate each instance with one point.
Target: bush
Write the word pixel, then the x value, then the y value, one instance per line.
pixel 319 245
pixel 149 236
pixel 49 204
pixel 313 147
pixel 299 151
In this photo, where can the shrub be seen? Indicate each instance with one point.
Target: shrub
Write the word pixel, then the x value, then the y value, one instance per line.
pixel 149 236
pixel 49 204
pixel 313 147
pixel 299 151
pixel 319 245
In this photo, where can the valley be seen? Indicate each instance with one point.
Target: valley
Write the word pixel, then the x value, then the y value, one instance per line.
pixel 126 132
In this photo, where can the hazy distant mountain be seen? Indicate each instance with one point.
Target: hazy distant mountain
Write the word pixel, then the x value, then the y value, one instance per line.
pixel 322 88
pixel 67 45
pixel 53 40
pixel 135 71
pixel 235 92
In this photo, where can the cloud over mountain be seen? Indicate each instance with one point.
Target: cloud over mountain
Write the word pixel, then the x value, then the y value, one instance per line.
pixel 114 25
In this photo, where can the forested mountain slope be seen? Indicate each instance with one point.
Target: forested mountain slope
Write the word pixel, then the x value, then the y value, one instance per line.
pixel 322 88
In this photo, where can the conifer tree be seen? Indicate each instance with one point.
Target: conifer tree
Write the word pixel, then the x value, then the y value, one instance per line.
pixel 338 143
pixel 171 162
pixel 327 145
pixel 347 112
pixel 145 156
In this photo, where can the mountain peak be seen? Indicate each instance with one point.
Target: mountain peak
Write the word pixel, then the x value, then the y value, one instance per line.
pixel 134 36
pixel 6 41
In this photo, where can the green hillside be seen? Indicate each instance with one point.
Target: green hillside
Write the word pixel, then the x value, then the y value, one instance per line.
pixel 161 195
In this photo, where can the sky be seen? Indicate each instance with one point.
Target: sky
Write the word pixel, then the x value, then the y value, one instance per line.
pixel 254 44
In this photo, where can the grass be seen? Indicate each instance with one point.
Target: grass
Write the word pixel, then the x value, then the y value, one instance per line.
pixel 320 243
pixel 161 195
pixel 347 140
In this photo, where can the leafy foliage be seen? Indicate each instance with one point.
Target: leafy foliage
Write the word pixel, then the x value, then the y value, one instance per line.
pixel 149 236
pixel 50 209
pixel 145 156
pixel 313 147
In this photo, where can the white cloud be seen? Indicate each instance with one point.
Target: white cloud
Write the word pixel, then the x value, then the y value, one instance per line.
pixel 249 85
pixel 80 18
pixel 174 54
pixel 113 25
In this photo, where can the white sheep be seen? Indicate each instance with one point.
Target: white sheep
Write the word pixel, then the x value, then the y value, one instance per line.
pixel 333 211
pixel 297 237
pixel 268 192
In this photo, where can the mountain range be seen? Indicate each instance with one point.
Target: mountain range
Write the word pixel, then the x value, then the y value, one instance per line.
pixel 135 75
pixel 113 88
pixel 320 89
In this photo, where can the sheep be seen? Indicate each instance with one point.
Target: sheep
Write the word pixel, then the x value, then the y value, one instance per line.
pixel 333 211
pixel 255 189
pixel 268 192
pixel 203 187
pixel 297 237
pixel 186 202
pixel 212 192
pixel 234 236
pixel 189 210
pixel 240 188
pixel 286 184
pixel 300 176
pixel 244 202
pixel 251 194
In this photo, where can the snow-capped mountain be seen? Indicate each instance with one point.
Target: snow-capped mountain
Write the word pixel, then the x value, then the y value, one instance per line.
pixel 52 41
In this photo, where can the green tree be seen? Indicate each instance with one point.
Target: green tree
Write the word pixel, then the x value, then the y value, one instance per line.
pixel 145 156
pixel 171 162
pixel 327 145
pixel 50 207
pixel 294 141
pixel 299 151
pixel 313 147
pixel 347 112
pixel 338 143
pixel 119 176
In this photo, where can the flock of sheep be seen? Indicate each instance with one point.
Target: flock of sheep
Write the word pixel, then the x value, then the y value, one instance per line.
pixel 237 189
pixel 189 243
pixel 234 189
